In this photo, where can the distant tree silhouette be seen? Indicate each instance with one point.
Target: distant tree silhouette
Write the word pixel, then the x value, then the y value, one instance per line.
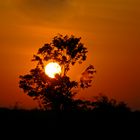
pixel 102 103
pixel 57 93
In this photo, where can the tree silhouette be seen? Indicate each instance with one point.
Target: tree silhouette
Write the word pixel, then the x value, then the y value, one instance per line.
pixel 57 93
pixel 102 103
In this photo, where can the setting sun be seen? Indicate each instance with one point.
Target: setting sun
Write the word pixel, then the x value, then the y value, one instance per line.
pixel 52 68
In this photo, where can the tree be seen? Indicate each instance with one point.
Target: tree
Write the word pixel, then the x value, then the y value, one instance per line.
pixel 57 93
pixel 102 103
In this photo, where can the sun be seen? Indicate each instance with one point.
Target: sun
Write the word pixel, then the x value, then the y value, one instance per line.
pixel 52 68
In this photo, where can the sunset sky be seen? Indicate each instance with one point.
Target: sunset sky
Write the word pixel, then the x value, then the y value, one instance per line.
pixel 110 29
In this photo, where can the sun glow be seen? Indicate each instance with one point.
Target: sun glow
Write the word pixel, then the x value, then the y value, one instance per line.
pixel 52 68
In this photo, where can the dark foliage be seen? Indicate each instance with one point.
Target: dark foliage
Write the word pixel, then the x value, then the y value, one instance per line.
pixel 102 103
pixel 57 93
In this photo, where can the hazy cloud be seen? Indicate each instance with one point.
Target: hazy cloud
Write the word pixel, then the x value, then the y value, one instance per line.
pixel 46 10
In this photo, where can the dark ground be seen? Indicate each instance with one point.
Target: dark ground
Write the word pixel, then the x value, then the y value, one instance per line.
pixel 58 124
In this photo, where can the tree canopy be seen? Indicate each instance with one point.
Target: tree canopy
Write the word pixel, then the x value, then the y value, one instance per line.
pixel 57 93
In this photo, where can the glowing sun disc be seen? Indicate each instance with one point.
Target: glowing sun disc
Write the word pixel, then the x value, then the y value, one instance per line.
pixel 52 68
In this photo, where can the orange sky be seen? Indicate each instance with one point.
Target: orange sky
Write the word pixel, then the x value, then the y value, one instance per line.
pixel 110 29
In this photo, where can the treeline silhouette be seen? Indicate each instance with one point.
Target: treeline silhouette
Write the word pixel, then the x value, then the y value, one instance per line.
pixel 102 108
pixel 103 115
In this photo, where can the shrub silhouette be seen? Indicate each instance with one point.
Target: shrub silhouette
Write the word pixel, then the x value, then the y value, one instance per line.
pixel 102 103
pixel 57 93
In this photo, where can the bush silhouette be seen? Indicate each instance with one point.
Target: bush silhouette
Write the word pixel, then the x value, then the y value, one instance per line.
pixel 102 103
